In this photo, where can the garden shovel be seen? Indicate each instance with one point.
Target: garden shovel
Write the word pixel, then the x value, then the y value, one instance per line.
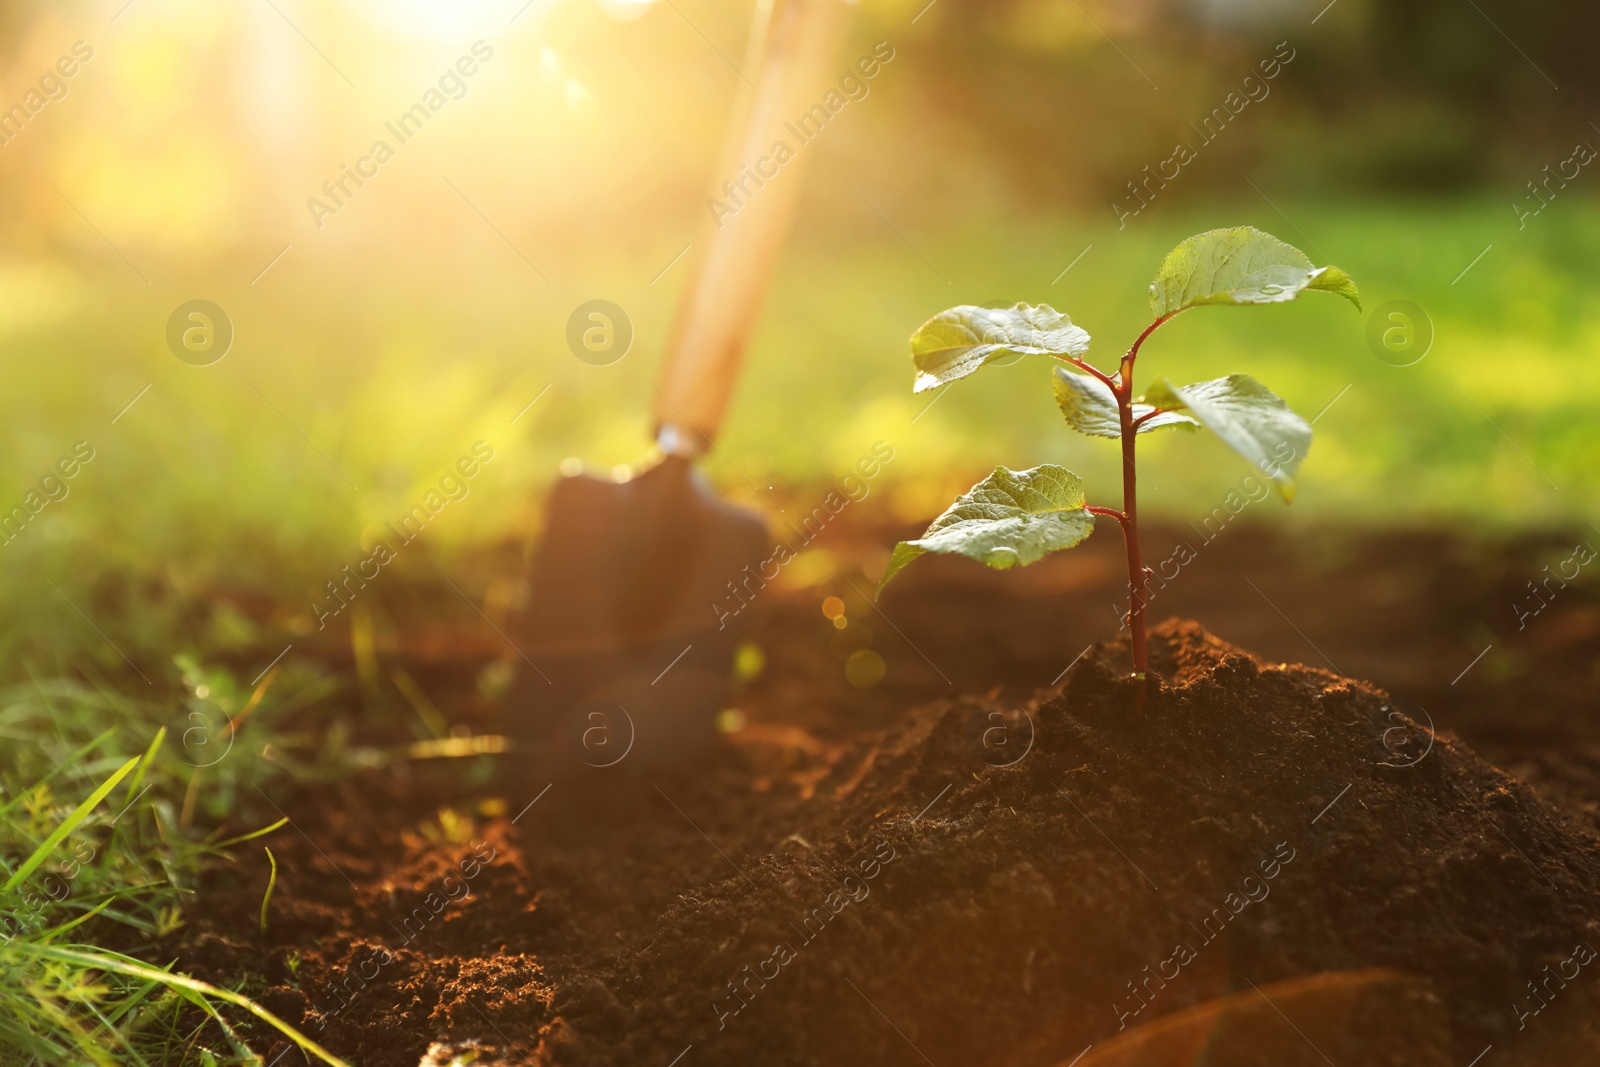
pixel 634 588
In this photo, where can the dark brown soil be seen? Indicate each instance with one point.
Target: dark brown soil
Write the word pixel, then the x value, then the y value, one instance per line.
pixel 984 860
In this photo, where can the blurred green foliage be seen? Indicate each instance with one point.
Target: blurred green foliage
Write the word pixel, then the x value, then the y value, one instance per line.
pixel 373 352
pixel 219 501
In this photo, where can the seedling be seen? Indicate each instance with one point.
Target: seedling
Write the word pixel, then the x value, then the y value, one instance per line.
pixel 1013 518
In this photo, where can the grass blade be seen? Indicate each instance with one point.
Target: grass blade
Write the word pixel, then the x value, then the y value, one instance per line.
pixel 191 988
pixel 272 880
pixel 71 822
pixel 56 931
pixel 66 764
pixel 252 834
pixel 144 764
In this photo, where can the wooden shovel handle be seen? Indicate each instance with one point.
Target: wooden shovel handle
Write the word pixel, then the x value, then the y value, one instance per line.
pixel 751 204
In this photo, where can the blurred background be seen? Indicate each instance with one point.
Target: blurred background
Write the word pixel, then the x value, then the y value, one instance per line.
pixel 1437 150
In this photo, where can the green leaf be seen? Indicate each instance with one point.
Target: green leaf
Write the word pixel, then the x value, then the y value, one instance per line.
pixel 1091 408
pixel 1241 265
pixel 1250 418
pixel 1331 279
pixel 1011 518
pixel 956 342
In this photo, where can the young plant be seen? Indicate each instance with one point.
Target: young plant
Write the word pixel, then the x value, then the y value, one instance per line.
pixel 1014 518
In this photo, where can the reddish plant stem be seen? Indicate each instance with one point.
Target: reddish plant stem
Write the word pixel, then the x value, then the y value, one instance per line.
pixel 1137 585
pixel 1105 379
pixel 1130 526
pixel 1133 350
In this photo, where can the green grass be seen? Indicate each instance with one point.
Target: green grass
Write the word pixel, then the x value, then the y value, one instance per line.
pixel 99 851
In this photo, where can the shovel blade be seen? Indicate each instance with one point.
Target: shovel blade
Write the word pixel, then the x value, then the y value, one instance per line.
pixel 633 657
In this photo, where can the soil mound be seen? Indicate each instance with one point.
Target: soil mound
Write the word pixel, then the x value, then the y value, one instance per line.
pixel 985 881
pixel 1011 885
